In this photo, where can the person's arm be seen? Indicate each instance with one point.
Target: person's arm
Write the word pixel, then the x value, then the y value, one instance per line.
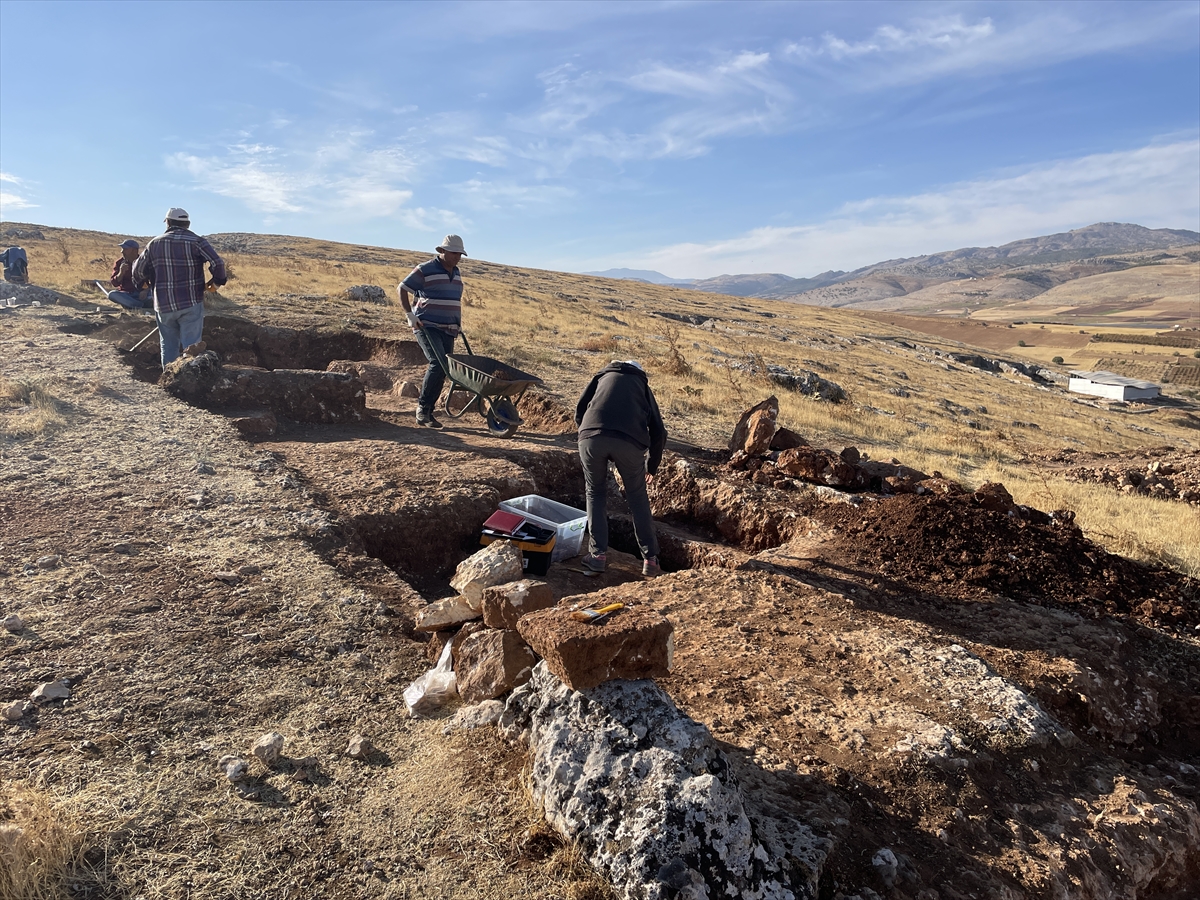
pixel 658 436
pixel 216 265
pixel 408 310
pixel 585 400
pixel 143 269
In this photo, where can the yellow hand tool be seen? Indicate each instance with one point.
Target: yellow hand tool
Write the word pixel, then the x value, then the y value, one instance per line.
pixel 595 615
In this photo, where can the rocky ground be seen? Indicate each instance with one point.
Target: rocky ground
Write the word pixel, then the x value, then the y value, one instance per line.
pixel 1162 472
pixel 958 696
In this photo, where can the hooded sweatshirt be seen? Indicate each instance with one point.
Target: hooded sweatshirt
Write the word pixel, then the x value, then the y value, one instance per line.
pixel 618 402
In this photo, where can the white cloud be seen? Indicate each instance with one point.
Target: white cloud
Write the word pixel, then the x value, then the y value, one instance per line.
pixel 1157 186
pixel 341 175
pixel 9 201
pixel 508 195
pixel 924 49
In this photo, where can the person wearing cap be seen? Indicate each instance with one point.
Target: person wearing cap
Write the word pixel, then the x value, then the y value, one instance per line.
pixel 436 318
pixel 126 292
pixel 174 263
pixel 619 422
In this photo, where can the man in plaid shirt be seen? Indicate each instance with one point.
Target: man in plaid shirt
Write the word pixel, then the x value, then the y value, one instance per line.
pixel 174 263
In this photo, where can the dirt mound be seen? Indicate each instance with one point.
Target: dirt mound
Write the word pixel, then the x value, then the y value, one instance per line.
pixel 545 413
pixel 956 543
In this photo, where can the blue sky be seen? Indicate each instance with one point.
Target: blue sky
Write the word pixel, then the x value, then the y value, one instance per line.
pixel 692 138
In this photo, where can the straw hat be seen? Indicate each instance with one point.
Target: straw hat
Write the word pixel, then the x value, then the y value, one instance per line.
pixel 452 244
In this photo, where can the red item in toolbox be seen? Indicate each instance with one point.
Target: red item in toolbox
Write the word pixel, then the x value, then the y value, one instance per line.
pixel 504 521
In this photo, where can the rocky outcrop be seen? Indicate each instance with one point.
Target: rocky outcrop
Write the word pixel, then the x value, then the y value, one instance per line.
pixel 633 642
pixel 649 796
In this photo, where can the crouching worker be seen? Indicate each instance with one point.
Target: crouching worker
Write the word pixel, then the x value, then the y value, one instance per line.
pixel 127 293
pixel 16 265
pixel 618 420
pixel 435 314
pixel 174 262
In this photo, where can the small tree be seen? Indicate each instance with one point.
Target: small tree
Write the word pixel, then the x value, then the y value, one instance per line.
pixel 1058 360
pixel 1021 344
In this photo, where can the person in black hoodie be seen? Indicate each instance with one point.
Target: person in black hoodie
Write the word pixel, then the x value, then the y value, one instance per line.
pixel 618 420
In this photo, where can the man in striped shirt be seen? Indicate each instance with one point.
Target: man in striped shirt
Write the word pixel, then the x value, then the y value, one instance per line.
pixel 436 318
pixel 174 263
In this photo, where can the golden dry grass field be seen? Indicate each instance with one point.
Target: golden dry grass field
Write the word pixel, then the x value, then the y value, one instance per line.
pixel 708 353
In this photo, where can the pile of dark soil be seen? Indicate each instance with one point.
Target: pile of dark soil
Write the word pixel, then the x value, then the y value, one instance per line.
pixel 954 544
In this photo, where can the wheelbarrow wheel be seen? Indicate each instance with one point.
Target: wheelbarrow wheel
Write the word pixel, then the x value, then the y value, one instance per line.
pixel 497 427
pixel 502 417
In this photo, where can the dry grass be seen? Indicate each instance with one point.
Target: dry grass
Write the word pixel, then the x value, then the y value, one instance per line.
pixel 39 845
pixel 29 408
pixel 564 327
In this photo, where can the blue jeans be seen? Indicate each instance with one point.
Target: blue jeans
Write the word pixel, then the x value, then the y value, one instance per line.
pixel 141 300
pixel 630 460
pixel 178 330
pixel 432 342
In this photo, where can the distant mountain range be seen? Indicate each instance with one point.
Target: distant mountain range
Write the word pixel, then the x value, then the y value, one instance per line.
pixel 1029 266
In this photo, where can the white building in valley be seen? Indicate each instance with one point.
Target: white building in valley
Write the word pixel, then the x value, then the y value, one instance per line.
pixel 1112 386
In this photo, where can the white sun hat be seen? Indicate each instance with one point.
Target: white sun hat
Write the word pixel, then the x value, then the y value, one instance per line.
pixel 452 244
pixel 176 214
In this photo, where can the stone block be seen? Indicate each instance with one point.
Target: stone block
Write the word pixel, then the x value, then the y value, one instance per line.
pixel 634 642
pixel 497 563
pixel 490 663
pixel 760 429
pixel 742 431
pixel 504 604
pixel 445 613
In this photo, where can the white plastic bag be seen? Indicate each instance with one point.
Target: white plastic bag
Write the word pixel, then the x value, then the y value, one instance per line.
pixel 435 688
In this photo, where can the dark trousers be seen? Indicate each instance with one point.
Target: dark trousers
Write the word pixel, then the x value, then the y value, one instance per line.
pixel 435 344
pixel 630 460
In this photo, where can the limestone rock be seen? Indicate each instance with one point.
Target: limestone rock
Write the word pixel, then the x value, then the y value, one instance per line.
pixel 504 604
pixel 786 439
pixel 262 424
pixel 359 747
pixel 491 663
pixel 497 563
pixel 268 748
pixel 635 642
pixel 486 712
pixel 374 377
pixel 649 796
pixel 406 389
pixel 49 562
pixel 235 769
pixel 445 613
pixel 760 429
pixel 439 639
pixel 13 623
pixel 365 293
pixel 15 710
pixel 742 431
pixel 51 690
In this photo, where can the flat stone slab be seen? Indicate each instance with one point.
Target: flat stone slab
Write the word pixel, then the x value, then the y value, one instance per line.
pixel 635 642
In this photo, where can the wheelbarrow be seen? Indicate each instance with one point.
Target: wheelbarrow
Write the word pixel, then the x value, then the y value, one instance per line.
pixel 485 385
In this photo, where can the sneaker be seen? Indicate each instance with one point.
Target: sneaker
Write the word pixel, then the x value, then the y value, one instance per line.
pixel 426 419
pixel 595 562
pixel 650 567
